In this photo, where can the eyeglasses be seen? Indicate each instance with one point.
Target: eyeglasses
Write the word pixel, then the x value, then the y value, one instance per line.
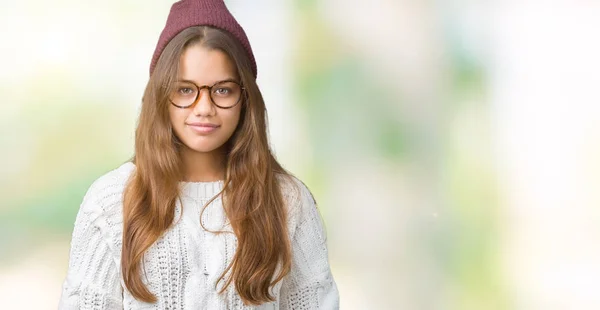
pixel 224 94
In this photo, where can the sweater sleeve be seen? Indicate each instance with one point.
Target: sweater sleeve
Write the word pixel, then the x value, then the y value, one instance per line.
pixel 310 284
pixel 93 276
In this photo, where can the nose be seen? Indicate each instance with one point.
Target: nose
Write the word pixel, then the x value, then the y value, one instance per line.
pixel 204 104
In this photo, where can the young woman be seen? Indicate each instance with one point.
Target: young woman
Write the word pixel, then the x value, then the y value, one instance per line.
pixel 203 216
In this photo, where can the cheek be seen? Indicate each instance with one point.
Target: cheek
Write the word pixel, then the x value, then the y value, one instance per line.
pixel 177 118
pixel 233 118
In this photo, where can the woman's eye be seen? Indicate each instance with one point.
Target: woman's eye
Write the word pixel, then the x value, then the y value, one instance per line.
pixel 222 91
pixel 186 91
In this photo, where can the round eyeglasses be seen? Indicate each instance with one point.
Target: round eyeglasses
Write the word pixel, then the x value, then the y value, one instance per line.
pixel 224 94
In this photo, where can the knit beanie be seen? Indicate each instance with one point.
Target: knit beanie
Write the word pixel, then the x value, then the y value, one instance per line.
pixel 188 13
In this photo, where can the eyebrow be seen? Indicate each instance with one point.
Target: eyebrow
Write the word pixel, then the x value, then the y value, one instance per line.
pixel 220 81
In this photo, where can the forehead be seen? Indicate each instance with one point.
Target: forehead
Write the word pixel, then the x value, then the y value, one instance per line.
pixel 205 66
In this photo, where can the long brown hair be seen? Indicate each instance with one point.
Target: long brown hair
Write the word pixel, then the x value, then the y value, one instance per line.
pixel 251 194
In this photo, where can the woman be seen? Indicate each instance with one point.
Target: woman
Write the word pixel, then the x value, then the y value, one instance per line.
pixel 203 216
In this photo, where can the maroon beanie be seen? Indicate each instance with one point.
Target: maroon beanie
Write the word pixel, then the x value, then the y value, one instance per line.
pixel 188 13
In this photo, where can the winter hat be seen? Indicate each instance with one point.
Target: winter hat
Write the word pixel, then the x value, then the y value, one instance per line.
pixel 188 13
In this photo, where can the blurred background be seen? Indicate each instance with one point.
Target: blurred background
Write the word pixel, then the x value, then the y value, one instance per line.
pixel 453 147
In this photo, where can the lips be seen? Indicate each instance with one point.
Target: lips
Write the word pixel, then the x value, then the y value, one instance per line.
pixel 203 128
pixel 203 125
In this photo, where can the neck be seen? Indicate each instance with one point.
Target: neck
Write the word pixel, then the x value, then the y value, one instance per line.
pixel 203 167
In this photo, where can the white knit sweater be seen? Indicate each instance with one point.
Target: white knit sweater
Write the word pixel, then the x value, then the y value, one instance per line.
pixel 182 267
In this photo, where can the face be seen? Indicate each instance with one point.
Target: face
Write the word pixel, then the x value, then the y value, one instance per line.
pixel 204 127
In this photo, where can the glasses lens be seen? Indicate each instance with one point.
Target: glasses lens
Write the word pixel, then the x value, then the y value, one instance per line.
pixel 226 94
pixel 184 94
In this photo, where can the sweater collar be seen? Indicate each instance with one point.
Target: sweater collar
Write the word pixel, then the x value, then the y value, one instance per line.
pixel 201 190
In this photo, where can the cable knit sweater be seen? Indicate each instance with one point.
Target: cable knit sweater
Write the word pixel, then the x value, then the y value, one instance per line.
pixel 183 265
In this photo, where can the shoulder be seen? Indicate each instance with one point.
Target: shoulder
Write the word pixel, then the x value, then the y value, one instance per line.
pixel 298 198
pixel 293 189
pixel 106 192
pixel 99 218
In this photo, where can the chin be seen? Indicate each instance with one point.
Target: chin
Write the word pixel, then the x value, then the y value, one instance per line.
pixel 203 148
pixel 204 144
